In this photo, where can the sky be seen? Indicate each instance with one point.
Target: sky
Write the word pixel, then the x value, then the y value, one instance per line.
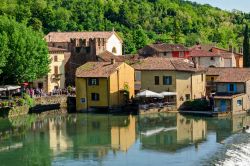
pixel 242 5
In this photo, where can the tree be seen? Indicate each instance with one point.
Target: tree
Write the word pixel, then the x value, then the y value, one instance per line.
pixel 246 56
pixel 25 53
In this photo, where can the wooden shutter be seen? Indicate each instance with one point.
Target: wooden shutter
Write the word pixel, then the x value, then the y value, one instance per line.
pixel 56 70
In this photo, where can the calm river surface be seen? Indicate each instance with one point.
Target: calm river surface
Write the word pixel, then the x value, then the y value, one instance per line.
pixel 107 140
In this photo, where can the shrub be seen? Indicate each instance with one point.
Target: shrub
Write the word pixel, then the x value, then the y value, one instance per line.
pixel 28 100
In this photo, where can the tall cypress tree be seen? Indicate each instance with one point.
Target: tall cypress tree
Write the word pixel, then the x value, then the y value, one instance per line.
pixel 246 56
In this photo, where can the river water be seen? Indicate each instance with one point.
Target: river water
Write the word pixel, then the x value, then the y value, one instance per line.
pixel 112 140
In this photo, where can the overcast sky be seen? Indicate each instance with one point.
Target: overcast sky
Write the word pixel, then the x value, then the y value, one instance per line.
pixel 243 5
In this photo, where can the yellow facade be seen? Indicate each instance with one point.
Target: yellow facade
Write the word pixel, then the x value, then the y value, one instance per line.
pixel 183 83
pixel 54 79
pixel 111 89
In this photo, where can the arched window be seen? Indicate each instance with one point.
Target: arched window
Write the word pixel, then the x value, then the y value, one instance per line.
pixel 114 50
pixel 211 66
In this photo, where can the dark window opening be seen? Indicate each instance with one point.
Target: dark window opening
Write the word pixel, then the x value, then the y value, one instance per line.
pixel 93 81
pixel 114 50
pixel 55 58
pixel 167 80
pixel 187 96
pixel 157 80
pixel 231 87
pixel 95 96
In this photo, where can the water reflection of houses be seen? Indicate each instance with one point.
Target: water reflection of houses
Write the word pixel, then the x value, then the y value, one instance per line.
pixel 94 136
pixel 58 140
pixel 226 126
pixel 174 132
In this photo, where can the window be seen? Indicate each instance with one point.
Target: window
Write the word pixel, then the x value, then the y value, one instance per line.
pixel 212 79
pixel 157 80
pixel 181 54
pixel 165 53
pixel 95 96
pixel 187 96
pixel 167 80
pixel 114 50
pixel 103 42
pixel 202 77
pixel 239 102
pixel 93 81
pixel 99 42
pixel 55 58
pixel 137 76
pixel 231 88
pixel 55 70
pixel 212 58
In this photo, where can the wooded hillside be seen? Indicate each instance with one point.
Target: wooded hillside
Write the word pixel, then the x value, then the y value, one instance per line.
pixel 139 22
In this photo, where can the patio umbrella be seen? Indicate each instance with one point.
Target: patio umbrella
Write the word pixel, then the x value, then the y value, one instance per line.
pixel 168 93
pixel 148 93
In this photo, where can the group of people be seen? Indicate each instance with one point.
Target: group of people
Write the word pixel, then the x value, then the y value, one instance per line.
pixel 38 92
pixel 34 92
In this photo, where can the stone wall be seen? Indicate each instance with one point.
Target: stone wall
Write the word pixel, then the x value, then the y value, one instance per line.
pixel 49 100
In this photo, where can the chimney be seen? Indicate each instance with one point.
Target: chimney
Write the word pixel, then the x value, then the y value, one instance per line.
pixel 230 47
pixel 49 38
pixel 113 61
pixel 195 63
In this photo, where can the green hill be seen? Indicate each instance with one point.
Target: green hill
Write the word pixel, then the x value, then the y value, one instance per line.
pixel 139 22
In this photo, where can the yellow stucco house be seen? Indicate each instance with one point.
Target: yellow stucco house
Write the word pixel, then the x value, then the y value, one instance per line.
pixel 56 76
pixel 177 75
pixel 103 85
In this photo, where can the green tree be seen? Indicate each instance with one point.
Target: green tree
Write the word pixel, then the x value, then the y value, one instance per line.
pixel 25 52
pixel 246 56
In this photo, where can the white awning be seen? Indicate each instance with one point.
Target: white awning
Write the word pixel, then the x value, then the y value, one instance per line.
pixel 148 93
pixel 9 87
pixel 168 93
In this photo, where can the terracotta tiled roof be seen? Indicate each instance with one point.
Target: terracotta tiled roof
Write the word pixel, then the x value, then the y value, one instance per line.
pixel 230 74
pixel 221 50
pixel 97 69
pixel 66 36
pixel 161 63
pixel 203 53
pixel 106 56
pixel 55 49
pixel 163 47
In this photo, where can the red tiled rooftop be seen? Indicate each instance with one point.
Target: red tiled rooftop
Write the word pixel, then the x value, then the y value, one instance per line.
pixel 230 74
pixel 171 64
pixel 97 69
pixel 55 49
pixel 106 56
pixel 66 36
pixel 203 53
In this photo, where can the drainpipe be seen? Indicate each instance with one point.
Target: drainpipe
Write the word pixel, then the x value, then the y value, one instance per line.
pixel 87 100
pixel 191 88
pixel 108 90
